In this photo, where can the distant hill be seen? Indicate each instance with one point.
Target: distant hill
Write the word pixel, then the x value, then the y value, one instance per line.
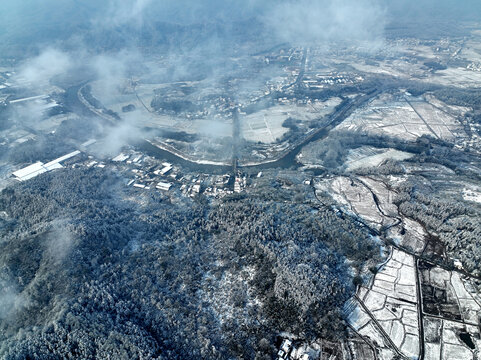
pixel 27 27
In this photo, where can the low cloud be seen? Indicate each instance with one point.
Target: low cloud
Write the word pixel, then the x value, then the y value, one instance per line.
pixel 28 113
pixel 112 71
pixel 39 70
pixel 316 22
pixel 11 301
pixel 60 242
pixel 122 12
pixel 124 133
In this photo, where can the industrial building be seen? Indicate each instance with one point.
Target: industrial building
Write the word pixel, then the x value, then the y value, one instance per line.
pixel 39 167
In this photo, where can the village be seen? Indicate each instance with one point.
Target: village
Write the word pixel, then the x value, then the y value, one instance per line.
pixel 143 173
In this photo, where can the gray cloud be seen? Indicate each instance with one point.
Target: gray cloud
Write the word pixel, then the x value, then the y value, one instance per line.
pixel 111 71
pixel 40 69
pixel 60 242
pixel 121 12
pixel 51 21
pixel 296 21
pixel 124 133
pixel 319 21
pixel 11 301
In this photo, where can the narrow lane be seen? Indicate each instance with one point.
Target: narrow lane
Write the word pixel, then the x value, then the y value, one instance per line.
pixel 420 310
pixel 380 328
pixel 420 116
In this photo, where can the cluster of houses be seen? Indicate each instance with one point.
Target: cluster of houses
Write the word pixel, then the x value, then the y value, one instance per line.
pixel 151 174
pixel 288 351
pixel 143 173
pixel 147 173
pixel 320 81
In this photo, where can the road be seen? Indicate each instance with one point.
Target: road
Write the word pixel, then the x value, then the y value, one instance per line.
pixel 380 328
pixel 236 140
pixel 420 116
pixel 421 314
pixel 420 309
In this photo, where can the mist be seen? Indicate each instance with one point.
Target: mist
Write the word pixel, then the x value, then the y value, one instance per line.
pixel 41 69
pixel 116 137
pixel 60 242
pixel 309 22
pixel 117 39
pixel 31 26
pixel 11 301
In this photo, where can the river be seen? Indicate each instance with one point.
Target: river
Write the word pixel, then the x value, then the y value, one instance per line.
pixel 286 161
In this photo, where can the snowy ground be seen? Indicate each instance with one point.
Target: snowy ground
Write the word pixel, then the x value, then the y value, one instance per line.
pixel 368 156
pixel 403 117
pixel 392 304
pixel 266 125
pixel 471 195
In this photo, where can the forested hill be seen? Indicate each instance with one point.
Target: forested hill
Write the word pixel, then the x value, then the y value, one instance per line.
pixel 92 269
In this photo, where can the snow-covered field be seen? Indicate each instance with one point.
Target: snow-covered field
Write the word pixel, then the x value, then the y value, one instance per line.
pixel 402 117
pixel 368 156
pixel 266 125
pixel 392 302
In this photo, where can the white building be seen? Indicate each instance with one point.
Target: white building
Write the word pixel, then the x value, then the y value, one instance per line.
pixel 164 186
pixel 29 172
pixel 38 168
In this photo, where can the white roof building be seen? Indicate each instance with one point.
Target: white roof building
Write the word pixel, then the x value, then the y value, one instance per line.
pixel 166 169
pixel 38 168
pixel 137 158
pixel 164 186
pixel 89 142
pixel 52 166
pixel 30 171
pixel 55 163
pixel 121 157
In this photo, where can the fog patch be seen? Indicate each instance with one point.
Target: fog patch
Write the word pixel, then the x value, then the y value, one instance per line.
pixel 126 132
pixel 123 12
pixel 28 113
pixel 112 72
pixel 60 242
pixel 39 70
pixel 215 128
pixel 314 22
pixel 11 301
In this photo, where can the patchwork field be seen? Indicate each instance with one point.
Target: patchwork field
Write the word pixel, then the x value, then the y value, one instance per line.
pixel 403 117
